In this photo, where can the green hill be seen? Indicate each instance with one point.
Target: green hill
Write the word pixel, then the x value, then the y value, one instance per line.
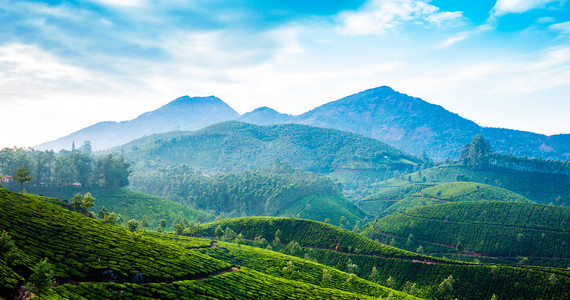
pixel 346 250
pixel 235 146
pixel 452 192
pixel 95 260
pixel 321 208
pixel 539 187
pixel 136 205
pixel 486 230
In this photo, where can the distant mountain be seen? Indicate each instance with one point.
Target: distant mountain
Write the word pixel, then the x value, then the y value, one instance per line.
pixel 265 116
pixel 415 126
pixel 402 121
pixel 184 113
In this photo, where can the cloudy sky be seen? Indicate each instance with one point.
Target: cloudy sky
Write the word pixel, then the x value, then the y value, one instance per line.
pixel 65 65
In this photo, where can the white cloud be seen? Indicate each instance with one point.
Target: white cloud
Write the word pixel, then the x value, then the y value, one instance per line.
pixel 122 3
pixel 464 35
pixel 563 27
pixel 503 7
pixel 380 16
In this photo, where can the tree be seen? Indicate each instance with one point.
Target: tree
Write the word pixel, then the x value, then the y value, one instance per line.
pixel 144 222
pixel 42 275
pixel 390 281
pixel 132 225
pixel 351 267
pixel 326 277
pixel 76 202
pixel 7 246
pixel 373 275
pixel 351 280
pixel 102 213
pixel 289 268
pixel 22 176
pixel 410 288
pixel 113 172
pixel 445 288
pixel 219 232
pixel 111 218
pixel 477 153
pixel 88 202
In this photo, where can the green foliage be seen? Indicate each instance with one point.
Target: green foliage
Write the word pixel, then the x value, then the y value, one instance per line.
pixel 136 205
pixel 484 228
pixel 320 208
pixel 235 147
pixel 132 225
pixel 113 172
pixel 540 187
pixel 272 191
pixel 476 154
pixel 22 176
pixel 396 267
pixel 42 275
pixel 80 247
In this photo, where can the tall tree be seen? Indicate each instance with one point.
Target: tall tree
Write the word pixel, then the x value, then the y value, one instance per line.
pixel 22 176
pixel 477 153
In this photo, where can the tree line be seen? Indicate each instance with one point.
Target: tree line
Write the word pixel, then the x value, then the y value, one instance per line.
pixel 260 192
pixel 78 167
pixel 479 155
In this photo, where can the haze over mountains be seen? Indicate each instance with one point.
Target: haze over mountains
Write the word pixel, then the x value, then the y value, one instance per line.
pixel 405 122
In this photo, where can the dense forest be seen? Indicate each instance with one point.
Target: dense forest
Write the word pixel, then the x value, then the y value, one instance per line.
pixel 51 171
pixel 261 192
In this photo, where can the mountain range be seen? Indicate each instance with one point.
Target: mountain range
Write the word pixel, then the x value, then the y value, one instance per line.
pixel 402 121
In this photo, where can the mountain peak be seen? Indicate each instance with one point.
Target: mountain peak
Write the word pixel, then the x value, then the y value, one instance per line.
pixel 183 100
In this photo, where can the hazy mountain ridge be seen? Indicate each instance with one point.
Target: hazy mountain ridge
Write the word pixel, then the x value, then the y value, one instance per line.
pixel 265 116
pixel 402 121
pixel 183 113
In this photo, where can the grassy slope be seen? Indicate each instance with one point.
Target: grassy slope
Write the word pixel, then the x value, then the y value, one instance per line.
pixel 334 247
pixel 538 187
pixel 504 231
pixel 82 249
pixel 272 263
pixel 319 208
pixel 135 205
pixel 453 192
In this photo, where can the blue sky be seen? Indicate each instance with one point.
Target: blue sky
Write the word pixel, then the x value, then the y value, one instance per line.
pixel 65 65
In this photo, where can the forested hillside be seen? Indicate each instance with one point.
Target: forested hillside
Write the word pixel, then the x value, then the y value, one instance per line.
pixel 277 190
pixel 235 146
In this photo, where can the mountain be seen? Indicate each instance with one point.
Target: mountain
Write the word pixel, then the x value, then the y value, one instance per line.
pixel 265 116
pixel 183 113
pixel 415 126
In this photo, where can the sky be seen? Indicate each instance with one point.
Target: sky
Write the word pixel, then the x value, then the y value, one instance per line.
pixel 65 65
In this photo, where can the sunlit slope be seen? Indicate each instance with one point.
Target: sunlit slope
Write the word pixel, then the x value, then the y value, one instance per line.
pixel 323 207
pixel 83 249
pixel 97 261
pixel 341 248
pixel 539 187
pixel 453 192
pixel 493 230
pixel 136 205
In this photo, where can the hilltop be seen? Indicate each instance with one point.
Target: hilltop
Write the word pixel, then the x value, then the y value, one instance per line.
pixel 235 146
pixel 183 113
